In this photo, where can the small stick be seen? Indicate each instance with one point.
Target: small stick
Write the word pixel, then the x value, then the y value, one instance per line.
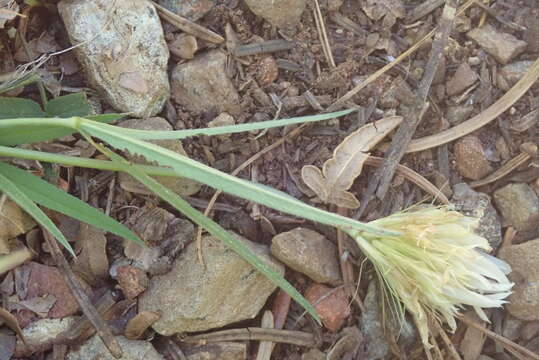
pixel 264 47
pixel 88 309
pixel 320 24
pixel 299 338
pixel 423 9
pixel 188 26
pixel 382 178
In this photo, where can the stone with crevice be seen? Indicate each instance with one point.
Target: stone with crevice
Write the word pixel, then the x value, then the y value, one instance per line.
pixel 125 55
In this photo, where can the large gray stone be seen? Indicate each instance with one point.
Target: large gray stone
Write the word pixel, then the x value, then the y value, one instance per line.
pixel 191 9
pixel 308 252
pixel 132 350
pixel 125 55
pixel 193 297
pixel 519 206
pixel 524 261
pixel 502 46
pixel 202 84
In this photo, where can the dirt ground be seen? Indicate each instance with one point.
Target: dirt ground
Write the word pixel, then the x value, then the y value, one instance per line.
pixel 363 37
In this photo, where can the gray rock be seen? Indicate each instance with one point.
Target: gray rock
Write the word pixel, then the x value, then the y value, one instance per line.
pixel 459 113
pixel 511 73
pixel 463 78
pixel 127 60
pixel 280 13
pixel 179 185
pixel 132 350
pixel 308 252
pixel 193 297
pixel 191 9
pixel 471 160
pixel 511 327
pixel 478 205
pixel 202 84
pixel 41 334
pixel 371 326
pixel 502 46
pixel 519 206
pixel 524 261
pixel 217 351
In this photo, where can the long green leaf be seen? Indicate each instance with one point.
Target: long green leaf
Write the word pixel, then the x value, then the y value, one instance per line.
pixel 230 129
pixel 53 198
pixel 199 172
pixel 18 196
pixel 212 227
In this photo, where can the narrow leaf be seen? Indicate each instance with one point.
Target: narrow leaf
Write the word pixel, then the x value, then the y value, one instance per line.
pixel 212 227
pixel 197 171
pixel 230 129
pixel 338 173
pixel 48 195
pixel 17 195
pixel 16 108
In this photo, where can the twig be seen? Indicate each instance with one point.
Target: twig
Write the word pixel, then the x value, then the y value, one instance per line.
pixel 88 309
pixel 493 13
pixel 480 120
pixel 321 26
pixel 280 308
pixel 265 47
pixel 343 99
pixel 423 9
pixel 266 347
pixel 506 169
pixel 384 175
pixel 449 345
pixel 293 337
pixel 188 26
pixel 506 343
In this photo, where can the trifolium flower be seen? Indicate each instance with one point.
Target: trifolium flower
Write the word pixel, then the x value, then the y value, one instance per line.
pixel 436 266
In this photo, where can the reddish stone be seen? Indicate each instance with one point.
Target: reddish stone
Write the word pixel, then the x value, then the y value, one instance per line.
pixel 331 305
pixel 133 281
pixel 46 280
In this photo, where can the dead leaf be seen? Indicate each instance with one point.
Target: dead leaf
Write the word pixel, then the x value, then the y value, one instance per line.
pixel 338 173
pixel 138 325
pixel 13 222
pixel 9 9
pixel 11 322
pixel 92 263
pixel 40 305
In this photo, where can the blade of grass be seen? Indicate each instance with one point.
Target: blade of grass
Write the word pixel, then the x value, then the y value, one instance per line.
pixel 211 226
pixel 18 196
pixel 199 172
pixel 51 197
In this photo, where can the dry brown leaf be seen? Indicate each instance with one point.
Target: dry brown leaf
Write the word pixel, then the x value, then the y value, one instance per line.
pixel 138 325
pixel 11 322
pixel 338 173
pixel 13 222
pixel 92 263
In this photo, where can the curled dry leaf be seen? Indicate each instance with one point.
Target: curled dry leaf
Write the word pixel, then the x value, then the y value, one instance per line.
pixel 138 325
pixel 338 173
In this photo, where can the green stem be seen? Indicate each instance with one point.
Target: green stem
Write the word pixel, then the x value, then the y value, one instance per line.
pixel 81 162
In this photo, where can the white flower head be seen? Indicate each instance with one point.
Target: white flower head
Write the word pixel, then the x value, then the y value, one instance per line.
pixel 436 266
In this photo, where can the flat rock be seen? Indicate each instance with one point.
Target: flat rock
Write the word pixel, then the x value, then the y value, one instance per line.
pixel 478 205
pixel 280 13
pixel 523 258
pixel 180 185
pixel 202 84
pixel 41 334
pixel 193 297
pixel 94 348
pixel 519 206
pixel 308 252
pixel 502 46
pixel 191 9
pixel 471 159
pixel 463 78
pixel 127 62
